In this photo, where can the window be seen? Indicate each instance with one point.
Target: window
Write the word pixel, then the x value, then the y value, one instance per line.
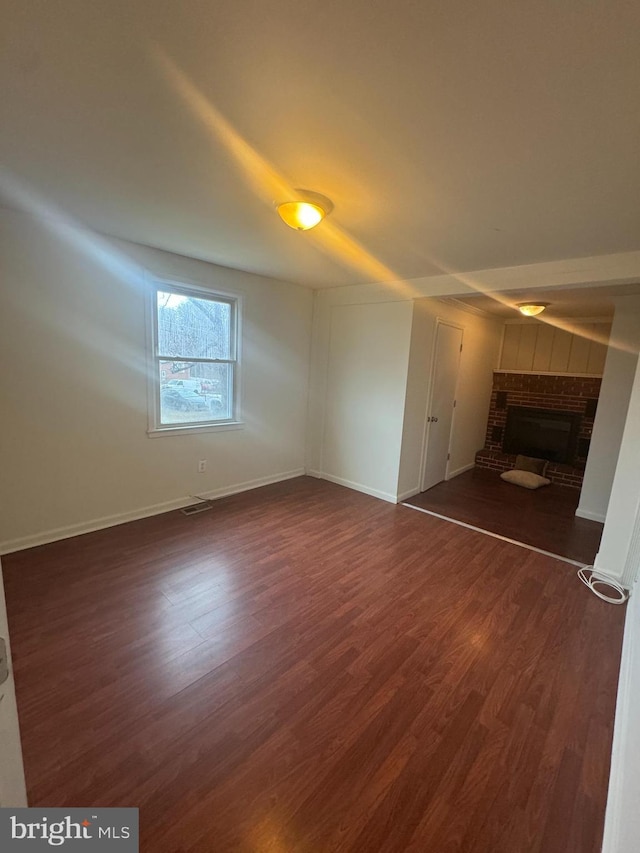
pixel 194 371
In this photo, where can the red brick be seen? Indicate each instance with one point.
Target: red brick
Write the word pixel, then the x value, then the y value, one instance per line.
pixel 562 393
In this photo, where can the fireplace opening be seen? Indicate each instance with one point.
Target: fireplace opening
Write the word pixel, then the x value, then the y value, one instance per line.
pixel 542 433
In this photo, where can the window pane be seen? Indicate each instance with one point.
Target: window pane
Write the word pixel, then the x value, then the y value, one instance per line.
pixel 193 328
pixel 193 393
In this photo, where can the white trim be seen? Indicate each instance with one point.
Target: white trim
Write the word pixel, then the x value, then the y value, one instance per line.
pixel 11 545
pixel 184 286
pixel 189 429
pixel 458 471
pixel 410 493
pixel 358 487
pixel 620 834
pixel 495 535
pixel 552 373
pixel 225 491
pixel 592 516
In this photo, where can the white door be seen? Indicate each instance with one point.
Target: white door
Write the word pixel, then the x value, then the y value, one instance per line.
pixel 12 788
pixel 444 378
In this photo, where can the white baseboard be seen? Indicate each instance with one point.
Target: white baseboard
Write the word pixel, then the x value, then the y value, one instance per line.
pixel 591 516
pixel 252 484
pixel 54 535
pixel 622 821
pixel 450 475
pixel 358 487
pixel 408 494
pixel 458 471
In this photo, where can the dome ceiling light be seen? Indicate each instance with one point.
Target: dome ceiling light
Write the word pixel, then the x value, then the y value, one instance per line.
pixel 532 309
pixel 306 211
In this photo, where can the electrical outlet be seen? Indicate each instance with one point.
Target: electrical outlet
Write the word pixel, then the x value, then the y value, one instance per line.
pixel 202 466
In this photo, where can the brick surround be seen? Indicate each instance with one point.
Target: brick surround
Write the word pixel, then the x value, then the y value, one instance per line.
pixel 540 391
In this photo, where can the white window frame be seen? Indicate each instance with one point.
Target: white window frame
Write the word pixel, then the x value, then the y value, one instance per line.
pixel 185 288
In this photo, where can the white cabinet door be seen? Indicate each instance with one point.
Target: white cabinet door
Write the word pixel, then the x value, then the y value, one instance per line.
pixel 12 787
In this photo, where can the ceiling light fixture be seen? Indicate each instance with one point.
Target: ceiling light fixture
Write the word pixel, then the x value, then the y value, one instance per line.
pixel 531 309
pixel 306 211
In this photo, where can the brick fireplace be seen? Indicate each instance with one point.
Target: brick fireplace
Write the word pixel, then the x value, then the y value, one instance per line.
pixel 573 394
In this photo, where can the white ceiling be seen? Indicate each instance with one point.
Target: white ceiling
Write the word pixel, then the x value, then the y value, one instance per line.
pixel 463 135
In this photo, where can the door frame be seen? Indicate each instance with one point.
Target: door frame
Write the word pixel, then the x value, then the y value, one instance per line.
pixel 440 321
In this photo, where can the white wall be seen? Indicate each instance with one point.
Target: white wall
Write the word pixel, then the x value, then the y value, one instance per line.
pixel 619 553
pixel 480 351
pixel 586 272
pixel 619 557
pixel 622 822
pixel 371 370
pixel 75 452
pixel 617 379
pixel 366 379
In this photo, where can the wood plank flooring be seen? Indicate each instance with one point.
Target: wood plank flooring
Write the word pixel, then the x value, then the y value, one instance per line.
pixel 544 518
pixel 305 668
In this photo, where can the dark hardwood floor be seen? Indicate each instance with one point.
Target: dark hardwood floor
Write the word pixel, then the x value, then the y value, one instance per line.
pixel 544 518
pixel 305 668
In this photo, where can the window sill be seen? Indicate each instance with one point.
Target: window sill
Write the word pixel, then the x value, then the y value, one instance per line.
pixel 192 429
